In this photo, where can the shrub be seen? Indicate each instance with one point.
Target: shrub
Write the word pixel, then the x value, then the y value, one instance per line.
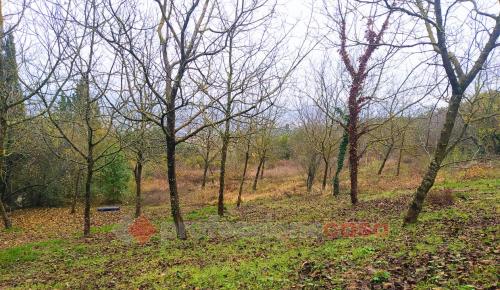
pixel 441 198
pixel 113 178
pixel 474 172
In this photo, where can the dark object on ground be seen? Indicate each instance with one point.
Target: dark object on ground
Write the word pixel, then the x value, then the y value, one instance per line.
pixel 108 208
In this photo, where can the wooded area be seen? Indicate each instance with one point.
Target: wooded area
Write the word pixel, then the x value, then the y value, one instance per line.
pixel 222 117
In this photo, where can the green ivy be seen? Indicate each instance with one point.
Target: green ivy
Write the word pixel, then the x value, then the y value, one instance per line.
pixel 341 158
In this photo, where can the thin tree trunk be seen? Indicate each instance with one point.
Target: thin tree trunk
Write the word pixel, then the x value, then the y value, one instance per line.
pixel 206 161
pixel 205 171
pixel 387 154
pixel 340 162
pixel 3 131
pixel 88 188
pixel 138 189
pixel 222 175
pixel 6 220
pixel 243 176
pixel 310 180
pixel 174 194
pixel 325 174
pixel 398 168
pixel 77 191
pixel 435 165
pixel 311 173
pixel 262 168
pixel 254 187
pixel 227 126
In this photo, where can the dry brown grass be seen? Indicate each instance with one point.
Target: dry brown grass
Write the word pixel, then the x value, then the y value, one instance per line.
pixel 441 198
pixel 285 178
pixel 280 178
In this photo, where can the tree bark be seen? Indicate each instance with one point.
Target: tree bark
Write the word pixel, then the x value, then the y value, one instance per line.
pixel 88 188
pixel 77 189
pixel 206 161
pixel 340 162
pixel 138 189
pixel 172 183
pixel 325 174
pixel 3 131
pixel 6 220
pixel 262 168
pixel 205 172
pixel 353 151
pixel 254 187
pixel 311 173
pixel 398 169
pixel 222 175
pixel 435 165
pixel 243 176
pixel 387 154
pixel 227 126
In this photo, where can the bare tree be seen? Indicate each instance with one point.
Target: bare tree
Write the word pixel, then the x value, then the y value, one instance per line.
pixel 250 72
pixel 88 130
pixel 262 142
pixel 189 35
pixel 320 134
pixel 207 143
pixel 435 18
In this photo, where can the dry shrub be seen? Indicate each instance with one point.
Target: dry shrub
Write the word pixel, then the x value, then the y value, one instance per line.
pixel 154 191
pixel 475 172
pixel 282 169
pixel 441 198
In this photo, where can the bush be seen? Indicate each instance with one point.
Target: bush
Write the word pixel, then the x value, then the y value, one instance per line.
pixel 474 172
pixel 113 178
pixel 441 198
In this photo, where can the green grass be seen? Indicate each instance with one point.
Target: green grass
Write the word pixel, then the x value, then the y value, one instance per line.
pixel 271 259
pixel 29 252
pixel 202 213
pixel 103 229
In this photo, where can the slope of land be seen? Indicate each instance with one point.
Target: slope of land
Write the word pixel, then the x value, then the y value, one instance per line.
pixel 272 242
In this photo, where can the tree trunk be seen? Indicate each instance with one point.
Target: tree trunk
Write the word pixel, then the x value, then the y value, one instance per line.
pixel 340 162
pixel 353 155
pixel 435 165
pixel 262 168
pixel 172 184
pixel 206 161
pixel 400 157
pixel 242 181
pixel 205 171
pixel 138 189
pixel 387 154
pixel 325 174
pixel 88 188
pixel 3 131
pixel 310 180
pixel 222 175
pixel 254 187
pixel 6 220
pixel 311 173
pixel 77 189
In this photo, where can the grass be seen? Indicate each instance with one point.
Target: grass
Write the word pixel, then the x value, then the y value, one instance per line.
pixel 103 229
pixel 29 252
pixel 275 243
